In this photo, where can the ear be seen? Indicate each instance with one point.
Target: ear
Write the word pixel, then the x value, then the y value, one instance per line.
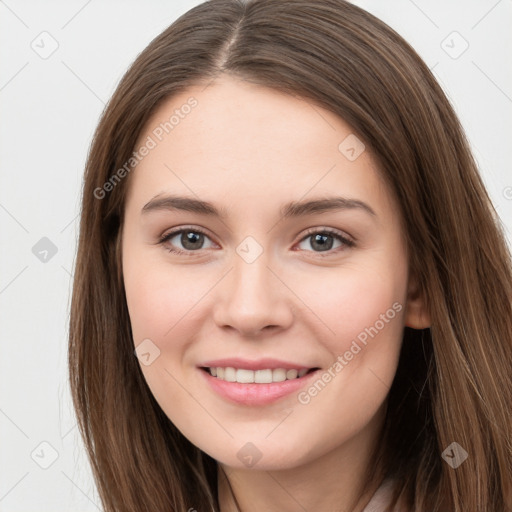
pixel 416 314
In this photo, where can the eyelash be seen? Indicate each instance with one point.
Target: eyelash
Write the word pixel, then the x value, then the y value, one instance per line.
pixel 312 231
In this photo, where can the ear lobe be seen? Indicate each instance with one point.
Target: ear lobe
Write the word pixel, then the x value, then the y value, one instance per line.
pixel 416 314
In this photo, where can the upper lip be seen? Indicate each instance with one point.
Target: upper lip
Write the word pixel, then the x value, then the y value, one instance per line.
pixel 259 364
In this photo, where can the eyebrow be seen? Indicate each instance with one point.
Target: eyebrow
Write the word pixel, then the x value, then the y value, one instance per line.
pixel 291 209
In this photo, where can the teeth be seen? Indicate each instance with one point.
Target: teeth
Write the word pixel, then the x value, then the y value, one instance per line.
pixel 243 376
pixel 291 374
pixel 230 374
pixel 278 375
pixel 263 376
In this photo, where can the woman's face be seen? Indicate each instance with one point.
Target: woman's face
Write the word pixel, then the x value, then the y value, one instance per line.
pixel 270 280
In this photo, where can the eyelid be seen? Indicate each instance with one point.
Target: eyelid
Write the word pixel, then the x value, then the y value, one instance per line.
pixel 169 234
pixel 344 238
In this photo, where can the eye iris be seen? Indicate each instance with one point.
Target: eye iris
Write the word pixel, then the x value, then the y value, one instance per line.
pixel 190 240
pixel 325 242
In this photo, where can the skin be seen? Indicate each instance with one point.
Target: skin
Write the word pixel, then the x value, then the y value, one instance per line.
pixel 249 149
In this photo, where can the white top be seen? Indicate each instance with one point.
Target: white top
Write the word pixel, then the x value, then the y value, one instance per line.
pixel 381 498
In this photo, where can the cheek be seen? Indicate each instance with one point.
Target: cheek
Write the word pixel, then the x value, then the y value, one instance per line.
pixel 366 314
pixel 161 309
pixel 352 302
pixel 158 298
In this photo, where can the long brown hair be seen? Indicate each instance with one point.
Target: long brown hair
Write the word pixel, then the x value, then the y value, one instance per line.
pixel 453 382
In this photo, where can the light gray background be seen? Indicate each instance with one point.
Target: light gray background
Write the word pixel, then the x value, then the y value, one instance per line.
pixel 49 109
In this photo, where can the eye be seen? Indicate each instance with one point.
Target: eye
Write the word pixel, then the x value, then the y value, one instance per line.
pixel 191 240
pixel 323 240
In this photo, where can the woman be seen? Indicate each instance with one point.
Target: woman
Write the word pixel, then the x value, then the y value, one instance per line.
pixel 282 218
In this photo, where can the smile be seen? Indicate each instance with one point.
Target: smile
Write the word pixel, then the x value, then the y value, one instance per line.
pixel 256 387
pixel 264 376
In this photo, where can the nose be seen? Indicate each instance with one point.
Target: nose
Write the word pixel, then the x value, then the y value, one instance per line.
pixel 252 298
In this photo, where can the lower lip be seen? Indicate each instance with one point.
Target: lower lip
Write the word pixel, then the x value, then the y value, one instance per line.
pixel 256 394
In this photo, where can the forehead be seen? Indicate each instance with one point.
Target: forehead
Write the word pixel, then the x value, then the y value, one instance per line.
pixel 240 138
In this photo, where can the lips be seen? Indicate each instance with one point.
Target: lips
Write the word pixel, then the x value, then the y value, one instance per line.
pixel 255 382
